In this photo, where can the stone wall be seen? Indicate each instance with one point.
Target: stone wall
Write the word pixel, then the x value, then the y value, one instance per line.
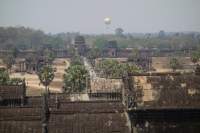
pixel 68 117
pixel 170 91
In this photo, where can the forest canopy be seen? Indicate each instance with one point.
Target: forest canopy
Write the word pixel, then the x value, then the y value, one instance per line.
pixel 27 38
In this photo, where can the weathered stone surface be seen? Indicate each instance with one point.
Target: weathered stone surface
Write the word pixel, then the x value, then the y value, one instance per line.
pixel 168 90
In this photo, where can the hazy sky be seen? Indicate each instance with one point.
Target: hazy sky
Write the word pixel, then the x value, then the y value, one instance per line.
pixel 87 16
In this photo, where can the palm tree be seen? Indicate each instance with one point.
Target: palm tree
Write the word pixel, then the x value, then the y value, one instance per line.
pixel 46 75
pixel 72 51
pixel 75 78
pixel 93 54
pixel 195 57
pixel 134 55
pixel 174 64
pixel 4 77
pixel 113 69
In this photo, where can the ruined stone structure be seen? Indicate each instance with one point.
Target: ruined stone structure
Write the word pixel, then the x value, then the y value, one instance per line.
pixel 61 53
pixel 163 102
pixel 110 49
pixel 151 103
pixel 58 114
pixel 143 62
pixel 34 64
pixel 31 61
pixel 31 64
pixel 166 90
pixel 80 45
pixel 26 53
pixel 20 65
pixel 12 95
pixel 72 117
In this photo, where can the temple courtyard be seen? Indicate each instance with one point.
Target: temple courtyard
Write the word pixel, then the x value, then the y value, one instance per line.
pixel 35 88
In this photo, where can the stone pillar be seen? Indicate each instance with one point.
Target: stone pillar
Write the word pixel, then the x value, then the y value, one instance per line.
pixel 22 101
pixel 45 113
pixel 44 128
pixel 25 66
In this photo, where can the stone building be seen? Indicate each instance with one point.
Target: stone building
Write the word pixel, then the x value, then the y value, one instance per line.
pixel 26 53
pixel 151 103
pixel 20 65
pixel 163 102
pixel 80 45
pixel 164 90
pixel 61 53
pixel 12 95
pixel 110 49
pixel 65 116
pixel 33 64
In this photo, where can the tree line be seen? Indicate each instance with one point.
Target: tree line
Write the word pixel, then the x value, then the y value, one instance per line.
pixel 110 68
pixel 27 38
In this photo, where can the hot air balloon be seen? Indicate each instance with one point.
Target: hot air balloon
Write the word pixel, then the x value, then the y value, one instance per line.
pixel 107 20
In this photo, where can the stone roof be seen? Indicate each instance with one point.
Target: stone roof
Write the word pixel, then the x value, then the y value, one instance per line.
pixel 79 40
pixel 12 92
pixel 20 113
pixel 170 91
pixel 70 117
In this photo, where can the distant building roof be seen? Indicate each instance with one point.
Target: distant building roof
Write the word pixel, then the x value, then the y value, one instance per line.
pixel 70 117
pixel 79 40
pixel 12 92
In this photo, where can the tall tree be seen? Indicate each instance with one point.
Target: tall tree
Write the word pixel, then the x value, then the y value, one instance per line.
pixel 4 77
pixel 49 55
pixel 100 42
pixel 72 51
pixel 6 80
pixel 119 31
pixel 113 69
pixel 75 79
pixel 134 55
pixel 195 57
pixel 76 60
pixel 14 52
pixel 46 76
pixel 174 64
pixel 93 54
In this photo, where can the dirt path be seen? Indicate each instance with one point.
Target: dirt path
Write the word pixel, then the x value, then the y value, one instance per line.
pixel 33 84
pixel 162 64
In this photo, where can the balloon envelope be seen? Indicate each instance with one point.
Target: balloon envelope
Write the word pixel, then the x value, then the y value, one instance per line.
pixel 107 20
